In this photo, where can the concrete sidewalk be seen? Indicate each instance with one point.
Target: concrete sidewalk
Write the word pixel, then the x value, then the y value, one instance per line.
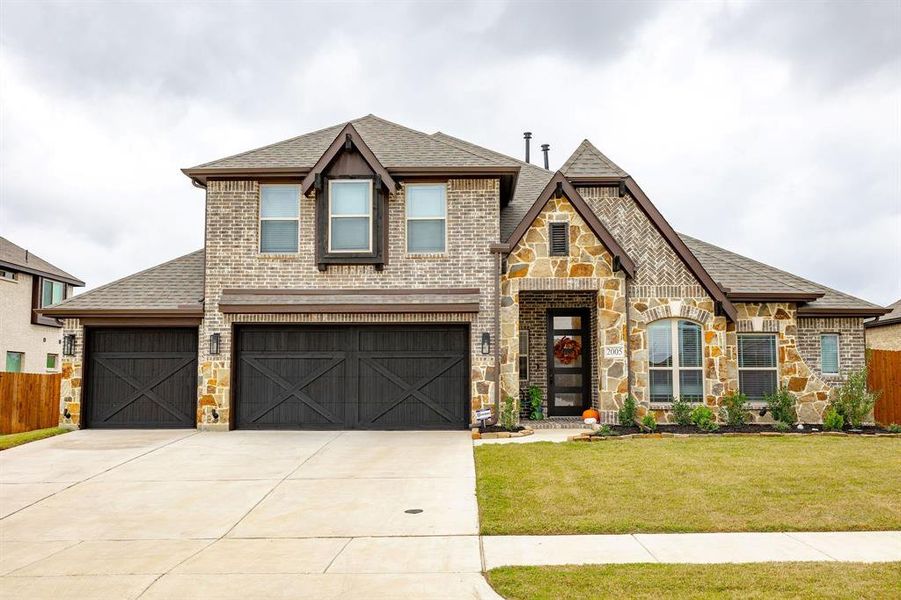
pixel 868 546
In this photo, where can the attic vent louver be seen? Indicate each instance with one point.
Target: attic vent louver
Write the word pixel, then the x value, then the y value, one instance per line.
pixel 559 239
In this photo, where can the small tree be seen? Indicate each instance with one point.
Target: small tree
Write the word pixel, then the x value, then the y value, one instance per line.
pixel 682 411
pixel 508 413
pixel 853 400
pixel 781 405
pixel 535 402
pixel 734 409
pixel 628 412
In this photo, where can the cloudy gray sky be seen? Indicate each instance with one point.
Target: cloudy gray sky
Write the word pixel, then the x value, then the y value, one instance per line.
pixel 772 129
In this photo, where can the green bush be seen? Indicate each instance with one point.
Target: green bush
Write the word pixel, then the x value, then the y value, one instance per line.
pixel 782 426
pixel 833 420
pixel 535 402
pixel 734 409
pixel 628 412
pixel 704 418
pixel 681 411
pixel 604 431
pixel 508 414
pixel 781 405
pixel 893 428
pixel 649 422
pixel 853 400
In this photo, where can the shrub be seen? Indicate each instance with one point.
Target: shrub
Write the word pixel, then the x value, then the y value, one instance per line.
pixel 704 419
pixel 628 412
pixel 782 426
pixel 734 409
pixel 681 411
pixel 893 428
pixel 604 430
pixel 853 400
pixel 508 414
pixel 649 422
pixel 781 405
pixel 535 402
pixel 833 420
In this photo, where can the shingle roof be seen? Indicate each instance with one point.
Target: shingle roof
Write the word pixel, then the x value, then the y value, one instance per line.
pixel 17 258
pixel 394 145
pixel 587 161
pixel 740 274
pixel 888 319
pixel 176 285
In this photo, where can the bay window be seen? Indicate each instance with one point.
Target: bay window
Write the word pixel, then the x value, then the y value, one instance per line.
pixel 674 361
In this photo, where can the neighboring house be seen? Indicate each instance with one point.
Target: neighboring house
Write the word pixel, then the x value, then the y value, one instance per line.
pixel 371 276
pixel 884 333
pixel 29 342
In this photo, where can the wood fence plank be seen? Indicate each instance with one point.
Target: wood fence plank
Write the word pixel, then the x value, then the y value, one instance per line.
pixel 28 401
pixel 885 377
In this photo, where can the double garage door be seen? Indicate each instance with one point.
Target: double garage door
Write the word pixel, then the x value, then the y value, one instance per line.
pixel 286 377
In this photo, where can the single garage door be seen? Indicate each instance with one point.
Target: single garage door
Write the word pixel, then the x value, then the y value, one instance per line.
pixel 352 377
pixel 141 377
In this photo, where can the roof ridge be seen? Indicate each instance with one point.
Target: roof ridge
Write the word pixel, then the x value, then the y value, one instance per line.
pixel 127 277
pixel 577 153
pixel 62 272
pixel 489 150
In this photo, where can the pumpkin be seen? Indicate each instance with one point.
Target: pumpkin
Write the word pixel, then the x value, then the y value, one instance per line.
pixel 592 414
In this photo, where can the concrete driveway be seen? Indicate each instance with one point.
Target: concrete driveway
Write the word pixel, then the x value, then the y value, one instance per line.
pixel 181 514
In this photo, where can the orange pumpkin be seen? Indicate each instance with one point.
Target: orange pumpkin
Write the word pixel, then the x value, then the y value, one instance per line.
pixel 591 414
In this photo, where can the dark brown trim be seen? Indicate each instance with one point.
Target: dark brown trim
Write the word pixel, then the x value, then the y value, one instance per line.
pixel 812 311
pixel 203 174
pixel 9 266
pixel 882 323
pixel 669 234
pixel 351 291
pixel 138 321
pixel 348 132
pixel 420 307
pixel 584 211
pixel 774 296
pixel 122 312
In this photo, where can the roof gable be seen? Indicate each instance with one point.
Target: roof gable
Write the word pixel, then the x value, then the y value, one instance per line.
pixel 17 258
pixel 587 162
pixel 348 137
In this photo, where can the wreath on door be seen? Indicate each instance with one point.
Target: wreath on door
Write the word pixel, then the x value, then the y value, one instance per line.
pixel 567 350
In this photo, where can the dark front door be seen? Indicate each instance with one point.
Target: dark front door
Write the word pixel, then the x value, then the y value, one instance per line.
pixel 141 377
pixel 569 360
pixel 352 377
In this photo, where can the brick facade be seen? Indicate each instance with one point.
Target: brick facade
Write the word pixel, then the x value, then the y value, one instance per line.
pixel 851 345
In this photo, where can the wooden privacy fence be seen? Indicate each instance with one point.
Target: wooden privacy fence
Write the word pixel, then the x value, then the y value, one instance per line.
pixel 28 401
pixel 884 367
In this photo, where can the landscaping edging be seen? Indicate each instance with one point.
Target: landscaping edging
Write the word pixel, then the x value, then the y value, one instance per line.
pixel 490 435
pixel 585 437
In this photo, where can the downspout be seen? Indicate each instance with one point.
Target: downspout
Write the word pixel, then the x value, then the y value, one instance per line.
pixel 628 351
pixel 497 336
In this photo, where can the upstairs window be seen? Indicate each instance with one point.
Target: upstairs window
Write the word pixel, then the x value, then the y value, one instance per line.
pixel 674 358
pixel 279 213
pixel 426 218
pixel 8 275
pixel 757 365
pixel 350 215
pixel 52 292
pixel 829 353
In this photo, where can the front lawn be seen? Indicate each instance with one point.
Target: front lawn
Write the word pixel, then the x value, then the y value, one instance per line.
pixel 756 580
pixel 17 439
pixel 690 485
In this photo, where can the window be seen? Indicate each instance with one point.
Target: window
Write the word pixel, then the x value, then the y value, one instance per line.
pixel 51 362
pixel 426 217
pixel 674 359
pixel 559 239
pixel 14 362
pixel 829 353
pixel 52 292
pixel 8 275
pixel 757 367
pixel 524 355
pixel 350 215
pixel 279 209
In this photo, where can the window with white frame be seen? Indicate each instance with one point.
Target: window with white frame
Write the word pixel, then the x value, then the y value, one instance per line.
pixel 758 369
pixel 279 214
pixel 350 215
pixel 426 217
pixel 829 353
pixel 52 292
pixel 674 361
pixel 524 355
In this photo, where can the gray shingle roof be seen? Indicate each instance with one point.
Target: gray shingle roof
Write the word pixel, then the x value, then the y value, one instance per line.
pixel 889 318
pixel 588 161
pixel 738 273
pixel 18 258
pixel 394 145
pixel 173 285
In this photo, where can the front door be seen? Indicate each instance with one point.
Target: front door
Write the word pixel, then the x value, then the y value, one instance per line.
pixel 569 360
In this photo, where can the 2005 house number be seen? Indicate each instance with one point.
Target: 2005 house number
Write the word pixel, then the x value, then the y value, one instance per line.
pixel 615 351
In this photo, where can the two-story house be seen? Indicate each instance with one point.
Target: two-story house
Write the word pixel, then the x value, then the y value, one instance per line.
pixel 368 275
pixel 29 341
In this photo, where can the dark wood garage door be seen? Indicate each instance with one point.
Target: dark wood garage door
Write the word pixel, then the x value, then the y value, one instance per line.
pixel 352 377
pixel 141 377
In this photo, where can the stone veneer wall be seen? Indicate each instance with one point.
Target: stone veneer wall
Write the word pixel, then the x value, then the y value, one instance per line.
pixel 851 345
pixel 233 260
pixel 533 306
pixel 587 268
pixel 71 382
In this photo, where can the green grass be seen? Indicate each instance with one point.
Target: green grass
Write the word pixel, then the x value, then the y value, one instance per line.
pixel 17 439
pixel 690 485
pixel 746 581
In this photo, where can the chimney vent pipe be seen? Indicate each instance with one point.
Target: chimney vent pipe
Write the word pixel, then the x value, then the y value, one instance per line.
pixel 527 135
pixel 545 148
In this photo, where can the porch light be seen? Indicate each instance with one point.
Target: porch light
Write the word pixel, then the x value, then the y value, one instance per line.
pixel 69 344
pixel 214 343
pixel 486 343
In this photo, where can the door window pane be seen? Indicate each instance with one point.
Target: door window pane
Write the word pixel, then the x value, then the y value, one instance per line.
pixel 573 361
pixel 567 399
pixel 567 322
pixel 829 353
pixel 562 380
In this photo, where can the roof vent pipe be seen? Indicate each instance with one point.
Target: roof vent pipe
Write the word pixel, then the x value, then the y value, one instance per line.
pixel 528 136
pixel 545 148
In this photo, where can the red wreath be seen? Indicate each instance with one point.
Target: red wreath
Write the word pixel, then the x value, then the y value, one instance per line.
pixel 567 350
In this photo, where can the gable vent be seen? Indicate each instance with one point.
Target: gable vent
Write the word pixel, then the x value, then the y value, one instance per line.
pixel 559 239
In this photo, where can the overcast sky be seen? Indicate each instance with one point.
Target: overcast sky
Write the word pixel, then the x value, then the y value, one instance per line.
pixel 771 129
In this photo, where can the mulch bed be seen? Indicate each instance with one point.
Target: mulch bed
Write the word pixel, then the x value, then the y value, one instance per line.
pixel 685 429
pixel 499 429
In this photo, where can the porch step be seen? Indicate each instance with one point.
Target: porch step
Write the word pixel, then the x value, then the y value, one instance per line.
pixel 608 417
